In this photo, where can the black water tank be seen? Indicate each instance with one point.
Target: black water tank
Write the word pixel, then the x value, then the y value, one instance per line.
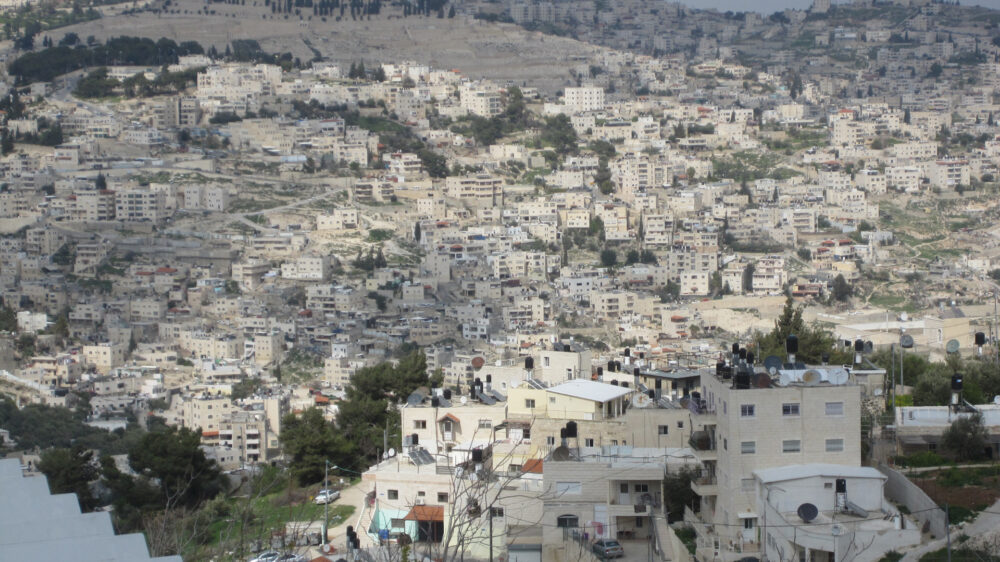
pixel 736 348
pixel 651 394
pixel 980 339
pixel 414 439
pixel 956 382
pixel 611 366
pixel 742 380
pixel 841 485
pixel 750 358
pixel 562 433
pixel 628 352
pixel 859 346
pixel 489 379
pixel 792 344
pixel 447 394
pixel 826 358
pixel 600 371
pixel 614 383
pixel 743 353
pixel 435 402
pixel 529 363
pixel 477 455
pixel 571 429
pixel 635 371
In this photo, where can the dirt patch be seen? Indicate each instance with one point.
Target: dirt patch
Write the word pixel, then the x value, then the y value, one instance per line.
pixel 970 496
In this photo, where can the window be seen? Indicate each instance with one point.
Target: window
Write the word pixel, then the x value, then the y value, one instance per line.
pixel 529 403
pixel 485 424
pixel 393 494
pixel 550 440
pixel 746 484
pixel 588 442
pixel 641 488
pixel 496 512
pixel 747 410
pixel 725 444
pixel 748 523
pixel 442 497
pixel 419 424
pixel 834 445
pixel 552 399
pixel 791 446
pixel 614 442
pixel 514 468
pixel 421 494
pixel 790 409
pixel 748 447
pixel 663 429
pixel 680 425
pixel 569 488
pixel 834 408
pixel 638 522
pixel 828 485
pixel 567 521
pixel 545 361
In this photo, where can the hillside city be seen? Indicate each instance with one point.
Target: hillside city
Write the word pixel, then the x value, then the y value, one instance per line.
pixel 444 281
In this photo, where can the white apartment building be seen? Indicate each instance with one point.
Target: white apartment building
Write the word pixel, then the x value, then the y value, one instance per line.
pixel 339 219
pixel 586 98
pixel 948 173
pixel 238 82
pixel 140 205
pixel 481 190
pixel 480 99
pixel 206 197
pixel 306 268
pixel 749 422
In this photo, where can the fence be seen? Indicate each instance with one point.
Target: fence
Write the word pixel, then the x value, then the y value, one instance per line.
pixel 900 490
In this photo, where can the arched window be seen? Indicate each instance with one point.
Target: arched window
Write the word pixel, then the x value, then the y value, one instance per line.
pixel 568 521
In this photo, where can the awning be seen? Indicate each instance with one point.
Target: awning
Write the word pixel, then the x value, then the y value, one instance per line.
pixel 747 515
pixel 426 513
pixel 448 417
pixel 533 466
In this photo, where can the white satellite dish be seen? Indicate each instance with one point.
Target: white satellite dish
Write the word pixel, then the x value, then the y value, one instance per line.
pixel 392 452
pixel 464 400
pixel 996 399
pixel 812 377
pixel 785 379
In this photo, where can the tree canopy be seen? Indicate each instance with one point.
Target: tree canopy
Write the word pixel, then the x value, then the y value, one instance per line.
pixel 814 341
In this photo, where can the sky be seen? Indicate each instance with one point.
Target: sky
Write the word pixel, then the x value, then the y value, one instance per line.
pixel 771 6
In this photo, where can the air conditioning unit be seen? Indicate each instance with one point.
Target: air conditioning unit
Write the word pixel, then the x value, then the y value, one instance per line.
pixel 418 501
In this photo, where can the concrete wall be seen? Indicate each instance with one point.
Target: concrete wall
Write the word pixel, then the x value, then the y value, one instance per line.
pixel 900 490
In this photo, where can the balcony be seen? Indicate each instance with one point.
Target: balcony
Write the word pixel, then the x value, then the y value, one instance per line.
pixel 705 486
pixel 703 445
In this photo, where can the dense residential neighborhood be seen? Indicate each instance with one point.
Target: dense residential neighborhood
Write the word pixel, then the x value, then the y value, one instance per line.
pixel 680 285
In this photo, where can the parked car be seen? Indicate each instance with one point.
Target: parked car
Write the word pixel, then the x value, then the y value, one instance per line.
pixel 326 496
pixel 608 548
pixel 268 556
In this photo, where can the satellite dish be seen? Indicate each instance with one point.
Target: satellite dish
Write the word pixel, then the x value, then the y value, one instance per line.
pixel 786 379
pixel 812 377
pixel 560 453
pixel 952 346
pixel 640 400
pixel 772 363
pixel 392 452
pixel 837 529
pixel 903 317
pixel 996 399
pixel 906 341
pixel 807 512
pixel 464 400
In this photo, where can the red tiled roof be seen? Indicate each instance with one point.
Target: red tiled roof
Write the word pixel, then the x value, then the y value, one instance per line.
pixel 533 466
pixel 426 513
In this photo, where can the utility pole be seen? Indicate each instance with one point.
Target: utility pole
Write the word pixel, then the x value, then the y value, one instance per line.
pixel 326 505
pixel 947 529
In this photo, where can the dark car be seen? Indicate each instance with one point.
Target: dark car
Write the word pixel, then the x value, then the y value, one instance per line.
pixel 608 548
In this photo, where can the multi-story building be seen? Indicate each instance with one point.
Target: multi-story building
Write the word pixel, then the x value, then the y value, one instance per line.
pixel 747 422
pixel 140 205
pixel 587 98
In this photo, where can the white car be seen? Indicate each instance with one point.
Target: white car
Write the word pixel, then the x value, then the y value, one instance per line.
pixel 326 496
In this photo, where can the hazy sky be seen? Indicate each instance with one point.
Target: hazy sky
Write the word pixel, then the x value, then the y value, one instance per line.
pixel 770 6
